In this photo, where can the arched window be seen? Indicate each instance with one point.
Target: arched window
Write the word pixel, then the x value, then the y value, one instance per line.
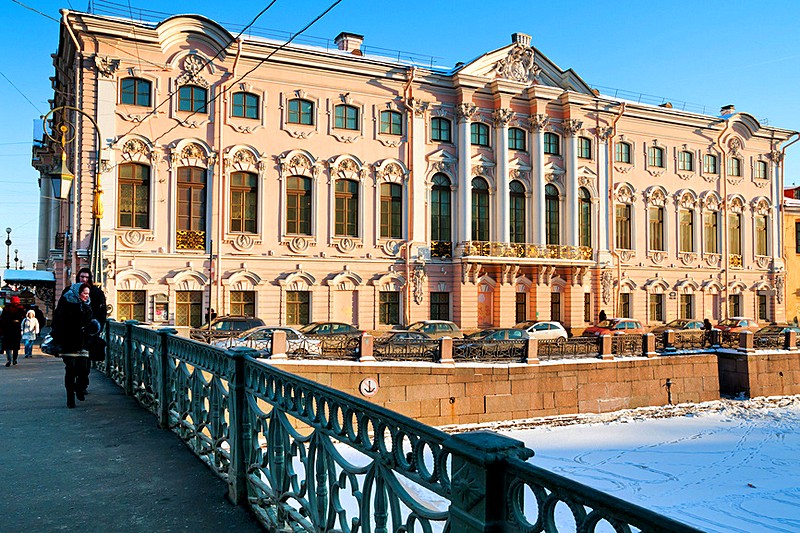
pixel 686 230
pixel 245 105
pixel 551 144
pixel 346 117
pixel 551 215
pixel 623 153
pixel 391 123
pixel 192 98
pixel 584 217
pixel 479 134
pixel 517 208
pixel 298 205
pixel 655 157
pixel 301 112
pixel 191 208
pixel 440 130
pixel 441 217
pixel 391 211
pixel 134 196
pixel 244 202
pixel 686 161
pixel 346 208
pixel 516 139
pixel 135 91
pixel 480 209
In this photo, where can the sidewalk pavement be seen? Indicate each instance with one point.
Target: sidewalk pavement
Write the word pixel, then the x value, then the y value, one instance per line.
pixel 104 466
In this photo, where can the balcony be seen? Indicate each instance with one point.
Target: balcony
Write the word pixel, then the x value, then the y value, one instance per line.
pixel 527 251
pixel 190 240
pixel 441 249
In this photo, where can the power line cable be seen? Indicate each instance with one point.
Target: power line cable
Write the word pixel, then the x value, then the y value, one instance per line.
pixel 20 92
pixel 35 11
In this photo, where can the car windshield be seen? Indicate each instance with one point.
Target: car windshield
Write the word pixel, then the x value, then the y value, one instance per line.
pixel 480 334
pixel 526 324
pixel 416 326
pixel 605 324
pixel 729 322
pixel 308 327
pixel 679 323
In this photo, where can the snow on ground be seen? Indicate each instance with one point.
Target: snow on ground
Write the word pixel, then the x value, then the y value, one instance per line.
pixel 723 466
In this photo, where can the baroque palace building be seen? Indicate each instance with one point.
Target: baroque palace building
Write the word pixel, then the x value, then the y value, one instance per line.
pixel 300 183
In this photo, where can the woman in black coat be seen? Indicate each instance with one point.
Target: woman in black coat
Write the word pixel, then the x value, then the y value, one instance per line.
pixel 72 325
pixel 10 325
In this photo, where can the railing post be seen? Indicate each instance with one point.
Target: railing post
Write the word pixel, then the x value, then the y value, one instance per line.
pixel 366 345
pixel 715 337
pixel 669 339
pixel 746 343
pixel 446 351
pixel 238 430
pixel 604 347
pixel 532 351
pixel 479 499
pixel 278 345
pixel 790 341
pixel 649 345
pixel 107 337
pixel 164 388
pixel 128 356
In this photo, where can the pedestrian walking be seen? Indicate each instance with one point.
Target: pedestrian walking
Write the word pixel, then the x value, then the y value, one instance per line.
pixel 30 330
pixel 97 299
pixel 707 329
pixel 71 329
pixel 11 327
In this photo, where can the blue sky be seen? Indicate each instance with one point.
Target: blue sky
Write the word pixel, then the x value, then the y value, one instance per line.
pixel 707 53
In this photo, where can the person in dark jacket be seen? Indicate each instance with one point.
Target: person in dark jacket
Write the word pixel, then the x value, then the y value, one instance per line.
pixel 10 326
pixel 72 325
pixel 98 305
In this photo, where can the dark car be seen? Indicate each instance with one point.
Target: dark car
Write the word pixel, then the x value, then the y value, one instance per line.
pixel 778 329
pixel 330 328
pixel 338 339
pixel 405 344
pixel 490 343
pixel 224 327
pixel 680 324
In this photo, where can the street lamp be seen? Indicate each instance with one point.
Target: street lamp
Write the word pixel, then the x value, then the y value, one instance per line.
pixel 8 249
pixel 16 258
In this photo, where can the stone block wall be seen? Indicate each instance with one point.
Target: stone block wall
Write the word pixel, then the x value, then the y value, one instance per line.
pixel 762 374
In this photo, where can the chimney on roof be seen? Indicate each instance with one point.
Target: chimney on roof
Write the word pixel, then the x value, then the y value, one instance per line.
pixel 349 42
pixel 522 39
pixel 727 110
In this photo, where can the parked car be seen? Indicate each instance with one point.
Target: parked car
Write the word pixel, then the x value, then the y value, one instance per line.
pixel 778 329
pixel 614 326
pixel 737 324
pixel 260 338
pixel 493 342
pixel 680 324
pixel 330 328
pixel 437 329
pixel 405 343
pixel 543 330
pixel 223 327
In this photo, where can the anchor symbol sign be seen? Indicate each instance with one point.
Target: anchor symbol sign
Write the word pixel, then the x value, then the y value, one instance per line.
pixel 368 387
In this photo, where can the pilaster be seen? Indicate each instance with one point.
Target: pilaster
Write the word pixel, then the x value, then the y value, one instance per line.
pixel 571 129
pixel 464 112
pixel 501 118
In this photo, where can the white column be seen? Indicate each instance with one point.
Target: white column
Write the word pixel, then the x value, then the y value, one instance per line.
pixel 600 233
pixel 501 118
pixel 464 114
pixel 571 129
pixel 538 124
pixel 776 234
pixel 418 191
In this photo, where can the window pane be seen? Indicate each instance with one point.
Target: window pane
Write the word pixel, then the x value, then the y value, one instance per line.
pixel 440 306
pixel 623 226
pixel 440 129
pixel 346 207
pixel 297 307
pixel 686 230
pixel 710 232
pixel 244 199
pixel 390 123
pixel 516 139
pixel 551 143
pixel 584 218
pixel 584 148
pixel 623 153
pixel 480 210
pixel 656 228
pixel 131 305
pixel 243 303
pixel 134 196
pixel 517 211
pixel 298 205
pixel 552 215
pixel 389 308
pixel 479 134
pixel 391 211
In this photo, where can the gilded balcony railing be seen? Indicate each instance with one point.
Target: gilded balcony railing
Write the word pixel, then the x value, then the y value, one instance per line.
pixel 190 240
pixel 735 260
pixel 441 249
pixel 527 250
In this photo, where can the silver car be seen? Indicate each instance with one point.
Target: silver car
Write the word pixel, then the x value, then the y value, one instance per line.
pixel 260 338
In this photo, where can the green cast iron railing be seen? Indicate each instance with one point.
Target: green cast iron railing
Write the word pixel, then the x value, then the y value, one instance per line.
pixel 305 457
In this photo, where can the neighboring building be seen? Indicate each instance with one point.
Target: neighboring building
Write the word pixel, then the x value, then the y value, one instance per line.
pixel 298 183
pixel 791 232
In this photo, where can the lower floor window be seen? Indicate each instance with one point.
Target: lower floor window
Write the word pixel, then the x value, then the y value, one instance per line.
pixel 440 306
pixel 687 306
pixel 189 308
pixel 389 311
pixel 735 305
pixel 297 308
pixel 625 304
pixel 131 305
pixel 762 307
pixel 587 307
pixel 656 307
pixel 521 307
pixel 243 303
pixel 555 306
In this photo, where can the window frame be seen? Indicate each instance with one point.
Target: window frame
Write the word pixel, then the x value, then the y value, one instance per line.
pixel 191 98
pixel 517 139
pixel 734 167
pixel 197 214
pixel 711 230
pixel 298 308
pixel 655 227
pixel 656 307
pixel 760 170
pixel 439 308
pixel 349 119
pixel 299 206
pixel 346 208
pixel 391 221
pixel 479 134
pixel 135 183
pixel 303 116
pixel 710 164
pixel 686 161
pixel 389 308
pixel 387 127
pixel 584 217
pixel 623 155
pixel 249 194
pixel 622 226
pixel 139 308
pixel 440 191
pixel 246 105
pixel 136 93
pixel 552 215
pixel 437 130
pixel 481 211
pixel 584 148
pixel 242 303
pixel 655 157
pixel 516 207
pixel 685 230
pixel 551 143
pixel 761 234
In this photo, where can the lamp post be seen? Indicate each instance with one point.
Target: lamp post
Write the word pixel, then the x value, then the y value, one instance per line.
pixel 16 259
pixel 8 248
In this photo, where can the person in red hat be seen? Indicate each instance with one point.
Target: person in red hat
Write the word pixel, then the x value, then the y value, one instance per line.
pixel 11 327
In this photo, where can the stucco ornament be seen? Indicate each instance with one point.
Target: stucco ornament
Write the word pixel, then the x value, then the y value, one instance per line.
pixel 465 111
pixel 243 242
pixel 572 127
pixel 605 281
pixel 419 280
pixel 298 244
pixel 193 151
pixel 502 116
pixel 345 245
pixel 193 63
pixel 418 106
pixel 734 145
pixel 538 122
pixel 106 66
pixel 244 157
pixel 779 288
pixel 518 65
pixel 134 147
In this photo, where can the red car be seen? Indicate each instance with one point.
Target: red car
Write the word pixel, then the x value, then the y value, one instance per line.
pixel 614 326
pixel 737 324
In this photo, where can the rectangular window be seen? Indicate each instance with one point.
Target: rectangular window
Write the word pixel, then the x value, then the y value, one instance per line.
pixel 131 305
pixel 710 164
pixel 710 232
pixel 135 91
pixel 762 307
pixel 479 134
pixel 244 199
pixel 346 117
pixel 440 306
pixel 735 305
pixel 192 98
pixel 243 303
pixel 391 123
pixel 685 161
pixel 391 211
pixel 301 112
pixel 734 234
pixel 623 153
pixel 134 196
pixel 686 230
pixel 623 226
pixel 587 307
pixel 555 306
pixel 584 148
pixel 655 157
pixel 440 130
pixel 656 228
pixel 686 303
pixel 516 139
pixel 245 105
pixel 624 304
pixel 760 170
pixel 298 205
pixel 761 234
pixel 298 310
pixel 521 307
pixel 551 144
pixel 346 206
pixel 656 308
pixel 188 308
pixel 389 309
pixel 734 166
pixel 797 237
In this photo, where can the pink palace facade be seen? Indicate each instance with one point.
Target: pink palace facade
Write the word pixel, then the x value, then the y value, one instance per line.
pixel 304 184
